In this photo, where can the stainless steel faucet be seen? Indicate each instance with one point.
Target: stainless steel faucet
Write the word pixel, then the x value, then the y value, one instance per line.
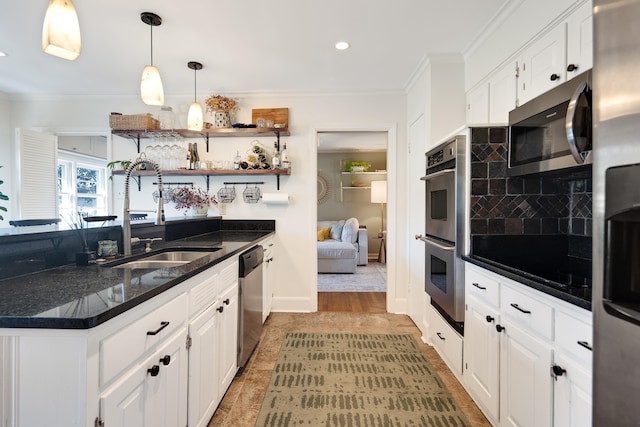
pixel 126 221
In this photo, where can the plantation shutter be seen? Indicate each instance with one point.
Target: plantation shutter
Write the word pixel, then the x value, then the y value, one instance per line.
pixel 37 170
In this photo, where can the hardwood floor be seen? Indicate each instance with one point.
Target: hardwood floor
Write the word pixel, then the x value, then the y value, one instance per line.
pixel 352 302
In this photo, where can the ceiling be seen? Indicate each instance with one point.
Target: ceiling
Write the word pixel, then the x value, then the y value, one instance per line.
pixel 248 46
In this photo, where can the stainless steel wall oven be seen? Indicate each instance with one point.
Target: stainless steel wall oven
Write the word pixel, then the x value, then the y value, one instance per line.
pixel 444 229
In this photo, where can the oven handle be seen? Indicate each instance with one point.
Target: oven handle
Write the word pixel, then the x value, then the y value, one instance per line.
pixel 437 174
pixel 437 244
pixel 570 129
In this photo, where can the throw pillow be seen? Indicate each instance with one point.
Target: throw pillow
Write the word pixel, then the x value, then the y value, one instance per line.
pixel 336 230
pixel 350 230
pixel 323 233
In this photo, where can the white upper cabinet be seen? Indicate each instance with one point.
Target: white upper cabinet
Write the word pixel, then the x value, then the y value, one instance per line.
pixel 478 105
pixel 543 65
pixel 502 93
pixel 580 41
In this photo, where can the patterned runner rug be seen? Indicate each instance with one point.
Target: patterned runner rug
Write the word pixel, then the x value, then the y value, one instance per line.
pixel 363 380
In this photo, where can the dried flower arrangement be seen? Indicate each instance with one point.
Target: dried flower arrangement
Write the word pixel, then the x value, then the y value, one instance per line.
pixel 187 197
pixel 221 103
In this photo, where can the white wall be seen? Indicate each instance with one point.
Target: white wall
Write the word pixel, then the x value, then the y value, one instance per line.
pixel 295 288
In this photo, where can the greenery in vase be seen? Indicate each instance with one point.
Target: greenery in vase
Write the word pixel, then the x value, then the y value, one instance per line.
pixel 123 164
pixel 349 165
pixel 187 197
pixel 3 197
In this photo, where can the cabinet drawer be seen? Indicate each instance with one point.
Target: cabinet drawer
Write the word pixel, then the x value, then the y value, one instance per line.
pixel 446 341
pixel 527 311
pixel 126 346
pixel 574 337
pixel 482 286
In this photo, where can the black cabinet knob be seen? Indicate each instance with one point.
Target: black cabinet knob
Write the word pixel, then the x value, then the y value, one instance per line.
pixel 489 319
pixel 226 302
pixel 499 328
pixel 165 360
pixel 557 371
pixel 220 309
pixel 154 370
pixel 572 67
pixel 554 77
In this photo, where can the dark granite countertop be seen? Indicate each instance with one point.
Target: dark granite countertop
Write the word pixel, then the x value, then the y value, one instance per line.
pixel 72 297
pixel 579 296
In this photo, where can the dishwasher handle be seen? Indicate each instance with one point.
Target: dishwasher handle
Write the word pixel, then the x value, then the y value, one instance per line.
pixel 250 260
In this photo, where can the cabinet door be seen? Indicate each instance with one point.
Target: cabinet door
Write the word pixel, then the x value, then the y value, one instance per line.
pixel 502 94
pixel 572 395
pixel 144 398
pixel 580 41
pixel 267 278
pixel 525 379
pixel 482 355
pixel 478 105
pixel 228 340
pixel 544 64
pixel 204 380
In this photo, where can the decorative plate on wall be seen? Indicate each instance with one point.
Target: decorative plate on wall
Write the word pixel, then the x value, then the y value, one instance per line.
pixel 323 188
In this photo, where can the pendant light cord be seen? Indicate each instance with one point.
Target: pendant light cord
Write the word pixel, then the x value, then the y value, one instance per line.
pixel 195 84
pixel 151 44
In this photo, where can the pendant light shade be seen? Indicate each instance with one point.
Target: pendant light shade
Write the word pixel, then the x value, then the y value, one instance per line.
pixel 195 118
pixel 61 30
pixel 151 89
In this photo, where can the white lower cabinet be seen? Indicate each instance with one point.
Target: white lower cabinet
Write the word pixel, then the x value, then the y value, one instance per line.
pixel 267 276
pixel 447 342
pixel 527 357
pixel 153 393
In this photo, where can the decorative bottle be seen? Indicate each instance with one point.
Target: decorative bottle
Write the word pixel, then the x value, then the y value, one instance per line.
pixel 275 159
pixel 195 157
pixel 284 158
pixel 189 163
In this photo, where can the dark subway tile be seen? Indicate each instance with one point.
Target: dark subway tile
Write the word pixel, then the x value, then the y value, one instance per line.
pixel 577 226
pixel 479 170
pixel 497 169
pixel 495 226
pixel 549 225
pixel 532 185
pixel 497 186
pixel 479 135
pixel 513 226
pixel 515 185
pixel 478 226
pixel 498 135
pixel 479 187
pixel 563 225
pixel 531 225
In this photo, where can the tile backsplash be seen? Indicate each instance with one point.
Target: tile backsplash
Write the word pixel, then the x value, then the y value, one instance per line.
pixel 548 204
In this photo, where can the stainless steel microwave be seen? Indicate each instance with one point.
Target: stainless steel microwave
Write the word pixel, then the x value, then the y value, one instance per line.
pixel 552 131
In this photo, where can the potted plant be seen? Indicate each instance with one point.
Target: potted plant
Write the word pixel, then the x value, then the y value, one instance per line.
pixel 3 197
pixel 195 199
pixel 221 106
pixel 356 166
pixel 118 164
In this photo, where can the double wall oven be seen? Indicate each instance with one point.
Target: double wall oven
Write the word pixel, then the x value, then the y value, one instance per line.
pixel 445 234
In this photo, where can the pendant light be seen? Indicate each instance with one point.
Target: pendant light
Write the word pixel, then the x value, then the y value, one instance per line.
pixel 151 85
pixel 61 30
pixel 195 117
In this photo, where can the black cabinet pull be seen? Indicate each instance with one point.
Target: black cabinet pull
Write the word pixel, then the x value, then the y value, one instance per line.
pixel 572 67
pixel 554 77
pixel 478 286
pixel 522 310
pixel 585 345
pixel 220 309
pixel 162 326
pixel 154 370
pixel 269 260
pixel 499 328
pixel 440 336
pixel 226 302
pixel 489 319
pixel 165 360
pixel 557 371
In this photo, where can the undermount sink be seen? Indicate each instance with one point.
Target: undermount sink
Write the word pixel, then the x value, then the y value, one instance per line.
pixel 166 259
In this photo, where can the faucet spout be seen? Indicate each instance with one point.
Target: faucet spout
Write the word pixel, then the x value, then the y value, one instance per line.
pixel 126 217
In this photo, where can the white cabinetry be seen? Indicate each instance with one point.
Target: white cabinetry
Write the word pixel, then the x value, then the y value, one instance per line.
pixel 478 105
pixel 515 339
pixel 446 341
pixel 213 337
pixel 267 276
pixel 491 101
pixel 580 40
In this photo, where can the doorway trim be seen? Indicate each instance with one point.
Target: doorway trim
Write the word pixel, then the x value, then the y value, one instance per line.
pixel 393 304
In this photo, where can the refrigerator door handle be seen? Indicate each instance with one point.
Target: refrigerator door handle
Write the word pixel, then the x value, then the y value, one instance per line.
pixel 621 312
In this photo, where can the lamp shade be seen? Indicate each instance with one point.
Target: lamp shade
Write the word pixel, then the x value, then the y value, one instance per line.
pixel 195 117
pixel 61 30
pixel 151 89
pixel 378 191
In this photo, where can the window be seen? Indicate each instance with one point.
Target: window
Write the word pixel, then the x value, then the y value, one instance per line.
pixel 81 185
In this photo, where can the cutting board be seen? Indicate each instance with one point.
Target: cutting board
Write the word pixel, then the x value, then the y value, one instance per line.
pixel 278 115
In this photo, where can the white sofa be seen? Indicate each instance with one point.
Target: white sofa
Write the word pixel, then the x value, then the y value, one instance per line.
pixel 345 248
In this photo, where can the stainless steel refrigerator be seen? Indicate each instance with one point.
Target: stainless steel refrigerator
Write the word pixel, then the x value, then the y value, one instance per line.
pixel 616 213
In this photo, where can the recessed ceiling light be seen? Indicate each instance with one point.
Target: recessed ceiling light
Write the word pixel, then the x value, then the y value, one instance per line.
pixel 3 53
pixel 342 45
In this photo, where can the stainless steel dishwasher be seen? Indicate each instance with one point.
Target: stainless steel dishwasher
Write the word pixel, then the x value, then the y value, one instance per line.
pixel 250 310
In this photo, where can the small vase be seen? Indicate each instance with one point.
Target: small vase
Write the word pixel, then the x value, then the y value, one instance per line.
pixel 222 119
pixel 199 210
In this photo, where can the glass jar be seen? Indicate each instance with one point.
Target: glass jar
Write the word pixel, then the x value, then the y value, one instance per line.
pixel 167 118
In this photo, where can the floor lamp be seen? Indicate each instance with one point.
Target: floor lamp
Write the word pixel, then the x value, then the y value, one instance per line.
pixel 379 195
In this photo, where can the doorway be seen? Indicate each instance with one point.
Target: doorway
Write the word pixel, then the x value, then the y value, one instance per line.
pixel 346 191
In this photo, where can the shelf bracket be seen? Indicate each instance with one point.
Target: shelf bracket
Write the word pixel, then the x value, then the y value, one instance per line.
pixel 134 138
pixel 206 178
pixel 205 136
pixel 278 182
